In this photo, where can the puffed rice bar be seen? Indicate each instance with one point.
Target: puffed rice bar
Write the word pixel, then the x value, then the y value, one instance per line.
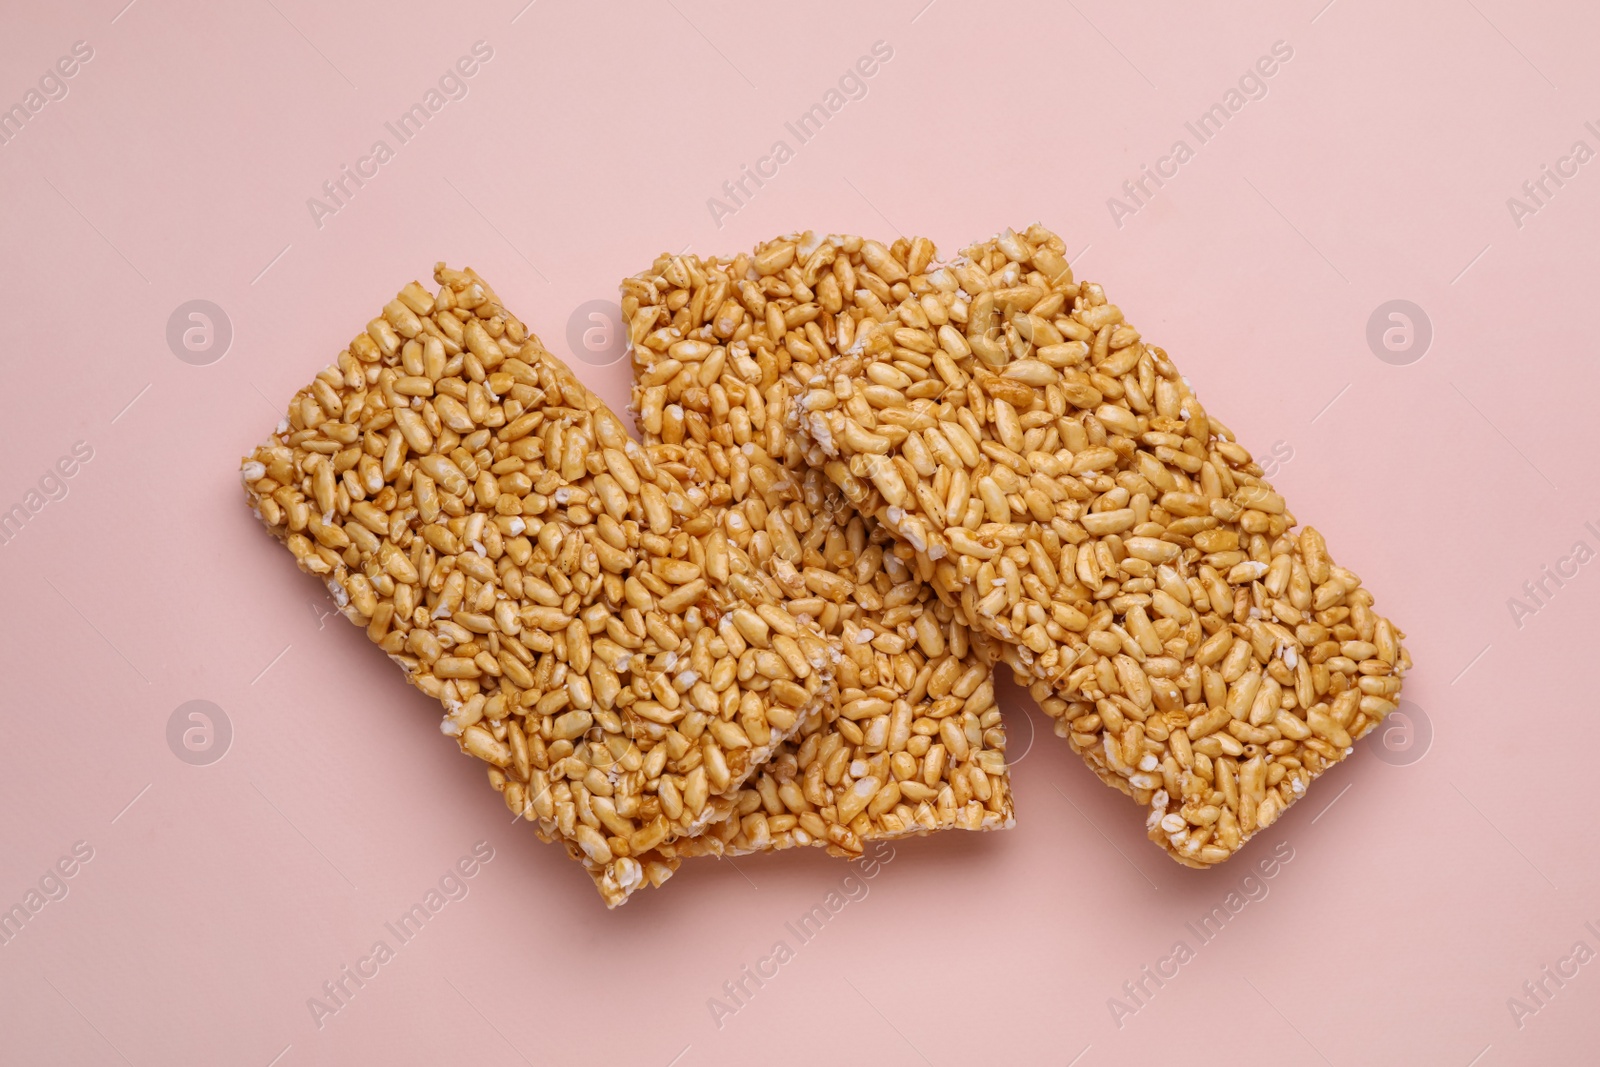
pixel 1063 487
pixel 491 525
pixel 913 741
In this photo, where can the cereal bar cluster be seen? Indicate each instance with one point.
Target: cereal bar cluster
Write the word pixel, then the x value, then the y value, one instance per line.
pixel 865 478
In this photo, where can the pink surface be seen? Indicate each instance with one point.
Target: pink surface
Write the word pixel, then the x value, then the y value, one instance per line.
pixel 219 897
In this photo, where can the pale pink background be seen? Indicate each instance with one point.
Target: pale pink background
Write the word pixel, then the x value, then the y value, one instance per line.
pixel 1378 167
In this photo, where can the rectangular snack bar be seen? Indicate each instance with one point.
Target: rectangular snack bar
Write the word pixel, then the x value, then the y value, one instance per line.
pixel 912 741
pixel 494 529
pixel 1064 489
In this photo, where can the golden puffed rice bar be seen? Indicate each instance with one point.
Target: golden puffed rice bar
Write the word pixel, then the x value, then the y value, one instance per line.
pixel 1068 494
pixel 896 761
pixel 490 523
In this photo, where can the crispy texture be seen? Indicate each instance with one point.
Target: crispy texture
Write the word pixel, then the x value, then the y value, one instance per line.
pixel 912 741
pixel 491 525
pixel 1065 491
pixel 909 739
